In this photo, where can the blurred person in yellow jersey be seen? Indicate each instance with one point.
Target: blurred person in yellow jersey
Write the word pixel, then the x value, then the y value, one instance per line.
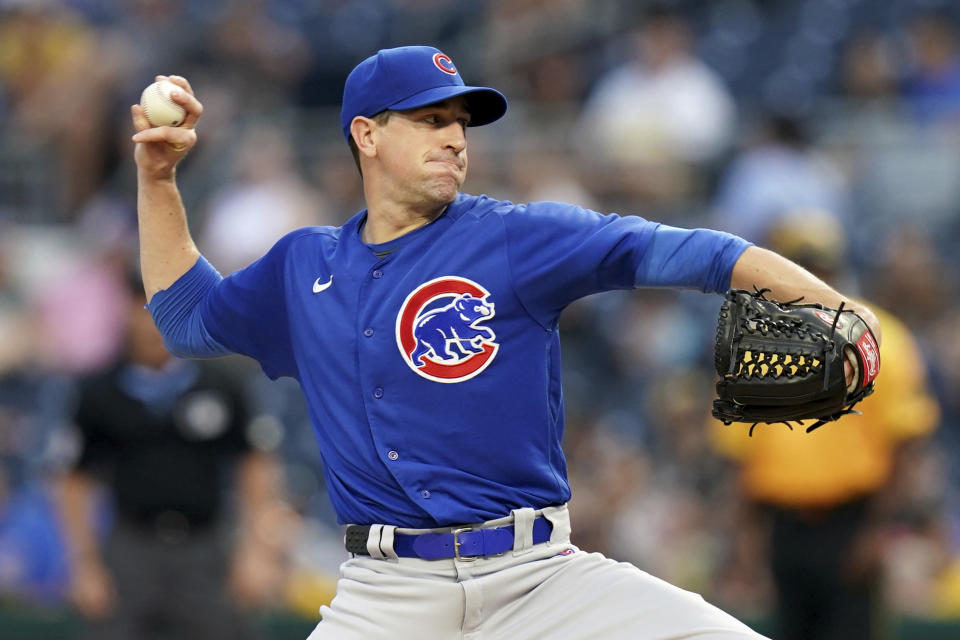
pixel 825 496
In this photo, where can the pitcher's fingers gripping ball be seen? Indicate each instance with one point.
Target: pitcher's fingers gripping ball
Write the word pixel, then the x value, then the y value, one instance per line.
pixel 168 112
pixel 785 361
pixel 159 107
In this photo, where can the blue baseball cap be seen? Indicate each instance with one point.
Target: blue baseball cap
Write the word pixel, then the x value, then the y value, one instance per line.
pixel 411 77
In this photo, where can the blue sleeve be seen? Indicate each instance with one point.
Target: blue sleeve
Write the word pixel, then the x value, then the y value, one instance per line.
pixel 176 312
pixel 559 253
pixel 247 312
pixel 690 258
pixel 204 315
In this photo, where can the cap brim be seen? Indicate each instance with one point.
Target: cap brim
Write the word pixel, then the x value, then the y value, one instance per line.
pixel 485 104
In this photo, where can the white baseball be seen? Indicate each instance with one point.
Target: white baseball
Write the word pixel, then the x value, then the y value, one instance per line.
pixel 159 107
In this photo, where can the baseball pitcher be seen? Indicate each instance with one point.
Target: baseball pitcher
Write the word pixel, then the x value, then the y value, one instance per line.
pixel 423 333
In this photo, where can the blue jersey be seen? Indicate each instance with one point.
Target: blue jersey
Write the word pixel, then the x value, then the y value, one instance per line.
pixel 431 363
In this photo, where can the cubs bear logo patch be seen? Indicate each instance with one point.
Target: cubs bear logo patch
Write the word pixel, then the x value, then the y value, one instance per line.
pixel 442 330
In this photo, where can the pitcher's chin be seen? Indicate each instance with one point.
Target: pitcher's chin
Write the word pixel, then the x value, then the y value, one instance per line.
pixel 445 189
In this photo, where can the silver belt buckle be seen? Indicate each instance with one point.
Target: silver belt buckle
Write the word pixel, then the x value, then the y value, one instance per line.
pixel 457 543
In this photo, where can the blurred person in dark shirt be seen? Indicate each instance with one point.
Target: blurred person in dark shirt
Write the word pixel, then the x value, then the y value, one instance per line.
pixel 164 436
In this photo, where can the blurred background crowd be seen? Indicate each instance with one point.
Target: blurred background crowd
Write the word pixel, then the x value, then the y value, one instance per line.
pixel 828 130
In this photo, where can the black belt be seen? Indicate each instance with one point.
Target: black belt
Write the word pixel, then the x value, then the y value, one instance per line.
pixel 463 543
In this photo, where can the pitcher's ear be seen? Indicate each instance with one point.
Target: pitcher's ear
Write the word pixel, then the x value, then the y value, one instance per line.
pixel 361 130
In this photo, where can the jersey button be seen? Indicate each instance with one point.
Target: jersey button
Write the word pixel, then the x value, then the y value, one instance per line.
pixel 393 455
pixel 368 332
pixel 377 273
pixel 378 393
pixel 425 494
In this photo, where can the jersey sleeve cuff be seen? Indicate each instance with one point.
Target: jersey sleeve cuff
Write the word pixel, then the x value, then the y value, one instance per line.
pixel 731 252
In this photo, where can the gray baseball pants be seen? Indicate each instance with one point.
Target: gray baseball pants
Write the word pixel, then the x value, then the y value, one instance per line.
pixel 550 590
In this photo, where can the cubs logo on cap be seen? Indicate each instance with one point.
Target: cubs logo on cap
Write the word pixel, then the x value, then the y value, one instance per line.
pixel 442 330
pixel 411 77
pixel 444 63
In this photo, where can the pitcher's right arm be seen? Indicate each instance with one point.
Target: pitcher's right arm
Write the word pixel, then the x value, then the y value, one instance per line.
pixel 167 250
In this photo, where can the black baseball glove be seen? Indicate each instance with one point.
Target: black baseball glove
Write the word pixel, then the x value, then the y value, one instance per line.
pixel 783 361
